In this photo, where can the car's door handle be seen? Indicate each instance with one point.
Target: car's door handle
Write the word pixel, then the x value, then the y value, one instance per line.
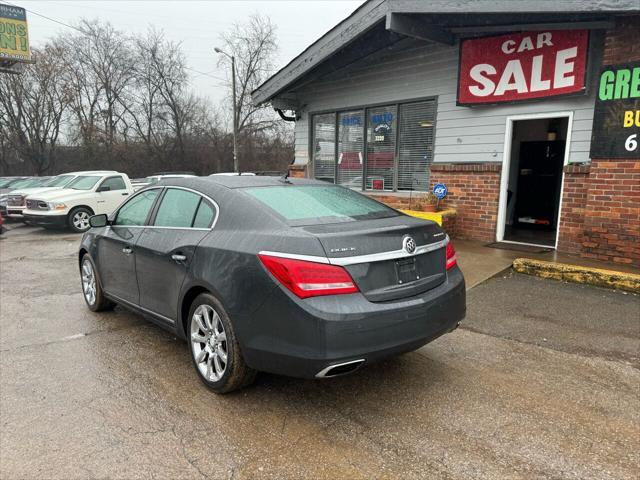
pixel 127 250
pixel 125 193
pixel 178 258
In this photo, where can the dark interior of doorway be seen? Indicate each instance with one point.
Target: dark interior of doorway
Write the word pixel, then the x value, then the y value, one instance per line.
pixel 535 180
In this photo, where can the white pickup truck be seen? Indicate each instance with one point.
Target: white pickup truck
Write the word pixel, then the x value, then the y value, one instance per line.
pixel 86 195
pixel 17 199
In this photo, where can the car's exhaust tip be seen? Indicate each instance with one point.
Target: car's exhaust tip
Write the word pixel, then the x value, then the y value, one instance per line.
pixel 340 369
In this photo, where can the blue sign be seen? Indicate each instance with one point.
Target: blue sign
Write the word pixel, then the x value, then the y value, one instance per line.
pixel 351 120
pixel 440 190
pixel 386 117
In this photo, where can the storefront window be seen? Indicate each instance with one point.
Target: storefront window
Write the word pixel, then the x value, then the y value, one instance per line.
pixel 324 147
pixel 399 146
pixel 350 148
pixel 381 147
pixel 415 152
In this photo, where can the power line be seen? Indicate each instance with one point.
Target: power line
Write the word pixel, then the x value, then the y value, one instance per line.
pixel 206 74
pixel 48 18
pixel 81 31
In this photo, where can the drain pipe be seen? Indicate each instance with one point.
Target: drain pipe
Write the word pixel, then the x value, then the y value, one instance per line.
pixel 284 117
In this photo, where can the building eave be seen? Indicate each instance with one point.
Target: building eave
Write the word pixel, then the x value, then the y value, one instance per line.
pixel 373 12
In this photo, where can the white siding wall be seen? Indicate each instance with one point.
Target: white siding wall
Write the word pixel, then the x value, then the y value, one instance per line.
pixel 463 134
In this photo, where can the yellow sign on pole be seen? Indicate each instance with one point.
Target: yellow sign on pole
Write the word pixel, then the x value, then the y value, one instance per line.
pixel 14 35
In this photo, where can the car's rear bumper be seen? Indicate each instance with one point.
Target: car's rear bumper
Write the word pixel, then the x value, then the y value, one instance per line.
pixel 301 338
pixel 59 221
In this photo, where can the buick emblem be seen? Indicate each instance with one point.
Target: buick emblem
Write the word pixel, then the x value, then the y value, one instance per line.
pixel 409 244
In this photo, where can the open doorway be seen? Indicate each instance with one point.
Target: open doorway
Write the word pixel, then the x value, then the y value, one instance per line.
pixel 532 187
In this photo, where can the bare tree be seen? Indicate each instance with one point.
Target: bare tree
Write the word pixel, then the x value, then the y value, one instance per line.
pixel 32 106
pixel 254 46
pixel 166 108
pixel 124 102
pixel 100 68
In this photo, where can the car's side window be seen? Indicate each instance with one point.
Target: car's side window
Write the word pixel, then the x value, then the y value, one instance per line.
pixel 114 183
pixel 204 215
pixel 177 208
pixel 136 210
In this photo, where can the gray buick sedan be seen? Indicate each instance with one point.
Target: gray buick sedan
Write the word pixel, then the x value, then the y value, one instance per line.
pixel 290 276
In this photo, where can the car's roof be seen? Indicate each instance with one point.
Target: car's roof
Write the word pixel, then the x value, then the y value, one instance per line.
pixel 237 181
pixel 171 175
pixel 90 172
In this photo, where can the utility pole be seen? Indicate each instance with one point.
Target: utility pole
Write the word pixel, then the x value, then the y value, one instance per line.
pixel 236 167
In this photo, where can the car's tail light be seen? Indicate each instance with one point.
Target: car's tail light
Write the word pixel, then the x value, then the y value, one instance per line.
pixel 309 279
pixel 451 256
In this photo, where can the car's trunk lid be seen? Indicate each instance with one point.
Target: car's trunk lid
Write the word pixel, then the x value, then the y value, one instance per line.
pixel 376 254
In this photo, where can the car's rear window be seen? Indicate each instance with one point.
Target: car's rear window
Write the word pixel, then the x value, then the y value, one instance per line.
pixel 314 204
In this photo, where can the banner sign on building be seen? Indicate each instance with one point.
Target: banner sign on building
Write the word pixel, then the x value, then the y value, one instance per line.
pixel 616 118
pixel 522 66
pixel 14 36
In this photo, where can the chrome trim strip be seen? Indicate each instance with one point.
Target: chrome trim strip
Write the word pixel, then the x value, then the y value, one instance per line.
pixel 158 228
pixel 392 255
pixel 295 256
pixel 323 373
pixel 373 257
pixel 155 187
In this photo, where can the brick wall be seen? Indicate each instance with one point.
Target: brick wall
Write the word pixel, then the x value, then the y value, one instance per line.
pixel 574 200
pixel 621 44
pixel 612 216
pixel 473 190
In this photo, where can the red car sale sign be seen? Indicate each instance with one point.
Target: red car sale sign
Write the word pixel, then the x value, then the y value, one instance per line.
pixel 522 66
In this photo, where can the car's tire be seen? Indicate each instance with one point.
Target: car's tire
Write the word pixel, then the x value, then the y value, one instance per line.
pixel 217 359
pixel 91 288
pixel 78 219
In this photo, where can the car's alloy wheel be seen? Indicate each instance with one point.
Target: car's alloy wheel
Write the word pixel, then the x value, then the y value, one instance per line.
pixel 91 288
pixel 80 220
pixel 209 343
pixel 215 350
pixel 88 282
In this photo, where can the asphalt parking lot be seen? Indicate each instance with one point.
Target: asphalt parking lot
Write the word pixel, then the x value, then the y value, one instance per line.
pixel 542 381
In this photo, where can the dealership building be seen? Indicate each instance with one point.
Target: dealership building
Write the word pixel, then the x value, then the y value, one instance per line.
pixel 528 113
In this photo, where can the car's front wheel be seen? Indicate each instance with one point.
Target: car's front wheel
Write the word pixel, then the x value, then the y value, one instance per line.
pixel 215 350
pixel 91 288
pixel 79 219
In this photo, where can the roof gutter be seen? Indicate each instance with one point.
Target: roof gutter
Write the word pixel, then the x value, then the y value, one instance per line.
pixel 397 16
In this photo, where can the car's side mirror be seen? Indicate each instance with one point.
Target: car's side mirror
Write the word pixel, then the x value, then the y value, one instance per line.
pixel 99 220
pixel 104 188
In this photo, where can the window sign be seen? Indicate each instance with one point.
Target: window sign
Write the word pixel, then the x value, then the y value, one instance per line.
pixel 522 66
pixel 377 184
pixel 381 148
pixel 350 149
pixel 351 120
pixel 616 120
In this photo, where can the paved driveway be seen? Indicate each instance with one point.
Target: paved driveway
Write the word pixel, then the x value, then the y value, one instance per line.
pixel 542 381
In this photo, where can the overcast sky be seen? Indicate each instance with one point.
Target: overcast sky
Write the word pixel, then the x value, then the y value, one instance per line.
pixel 197 24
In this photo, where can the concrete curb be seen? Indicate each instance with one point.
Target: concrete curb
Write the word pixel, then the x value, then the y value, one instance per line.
pixel 573 273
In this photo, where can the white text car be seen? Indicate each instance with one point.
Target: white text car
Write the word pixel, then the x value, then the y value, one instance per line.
pixel 17 199
pixel 72 206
